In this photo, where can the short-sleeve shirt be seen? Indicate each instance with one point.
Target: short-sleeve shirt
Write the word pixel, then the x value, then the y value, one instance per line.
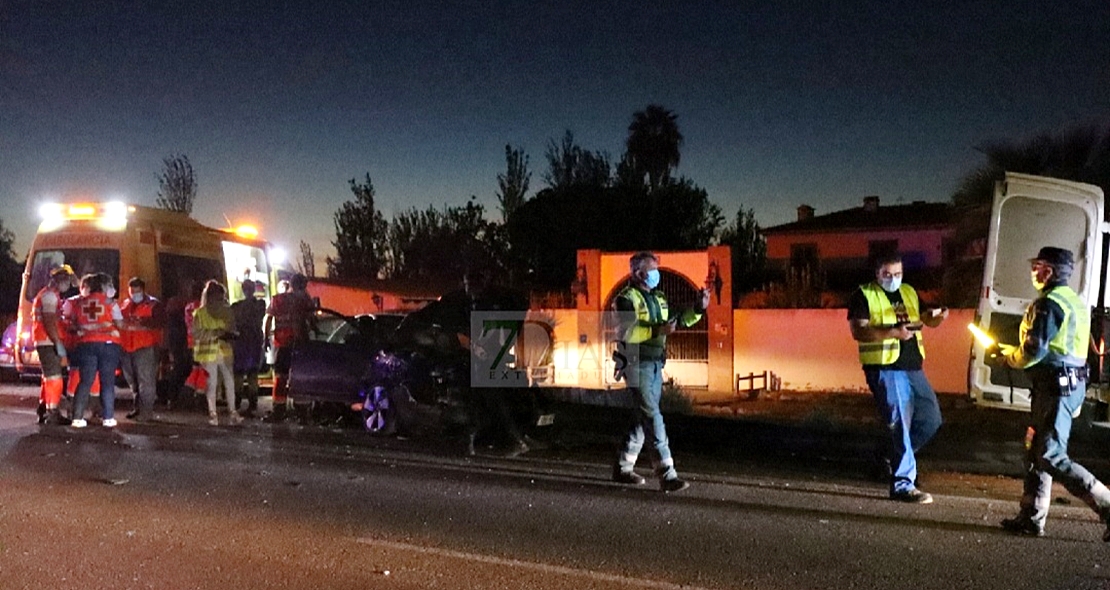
pixel 909 357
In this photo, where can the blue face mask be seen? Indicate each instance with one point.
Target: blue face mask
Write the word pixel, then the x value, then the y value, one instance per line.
pixel 890 285
pixel 652 279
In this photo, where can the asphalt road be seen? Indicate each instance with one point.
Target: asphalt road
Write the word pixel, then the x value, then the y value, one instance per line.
pixel 779 501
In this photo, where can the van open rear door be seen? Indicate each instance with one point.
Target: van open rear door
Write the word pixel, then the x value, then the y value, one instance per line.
pixel 1030 212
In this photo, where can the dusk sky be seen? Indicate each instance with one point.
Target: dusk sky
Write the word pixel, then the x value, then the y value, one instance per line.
pixel 279 104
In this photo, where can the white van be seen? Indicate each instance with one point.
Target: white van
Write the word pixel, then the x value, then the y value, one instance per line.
pixel 1030 212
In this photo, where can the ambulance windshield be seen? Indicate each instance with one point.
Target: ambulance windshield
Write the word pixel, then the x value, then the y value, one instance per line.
pixel 82 261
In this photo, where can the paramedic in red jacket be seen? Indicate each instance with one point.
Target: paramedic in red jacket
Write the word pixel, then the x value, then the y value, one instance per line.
pixel 143 319
pixel 48 343
pixel 96 321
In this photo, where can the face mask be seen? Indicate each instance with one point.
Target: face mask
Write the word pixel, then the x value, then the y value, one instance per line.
pixel 109 292
pixel 1036 284
pixel 652 279
pixel 890 285
pixel 137 297
pixel 85 291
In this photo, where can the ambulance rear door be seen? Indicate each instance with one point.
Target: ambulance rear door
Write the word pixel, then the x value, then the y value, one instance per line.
pixel 1030 212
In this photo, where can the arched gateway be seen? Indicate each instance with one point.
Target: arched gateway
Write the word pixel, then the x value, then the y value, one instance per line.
pixel 698 356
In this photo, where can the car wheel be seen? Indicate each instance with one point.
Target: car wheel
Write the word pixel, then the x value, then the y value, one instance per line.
pixel 379 414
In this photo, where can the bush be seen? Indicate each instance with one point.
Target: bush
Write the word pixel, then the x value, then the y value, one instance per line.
pixel 674 400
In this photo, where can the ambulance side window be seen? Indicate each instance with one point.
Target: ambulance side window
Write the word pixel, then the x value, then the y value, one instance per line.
pixel 183 275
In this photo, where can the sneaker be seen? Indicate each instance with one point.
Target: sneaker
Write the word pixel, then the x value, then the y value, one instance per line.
pixel 628 477
pixel 78 423
pixel 912 496
pixel 133 415
pixel 1021 525
pixel 109 423
pixel 235 418
pixel 213 420
pixel 673 485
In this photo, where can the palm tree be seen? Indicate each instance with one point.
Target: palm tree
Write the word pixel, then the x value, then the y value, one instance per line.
pixel 653 144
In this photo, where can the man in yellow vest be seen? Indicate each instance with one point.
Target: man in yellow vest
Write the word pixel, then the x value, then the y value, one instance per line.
pixel 885 317
pixel 1054 337
pixel 644 323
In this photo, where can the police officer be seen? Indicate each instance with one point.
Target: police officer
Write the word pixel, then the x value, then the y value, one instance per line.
pixel 45 312
pixel 645 321
pixel 1054 337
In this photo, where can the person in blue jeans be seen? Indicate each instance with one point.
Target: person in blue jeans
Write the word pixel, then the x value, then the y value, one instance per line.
pixel 644 321
pixel 885 317
pixel 1053 340
pixel 95 320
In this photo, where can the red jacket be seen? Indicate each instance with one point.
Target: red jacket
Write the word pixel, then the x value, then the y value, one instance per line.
pixel 142 323
pixel 93 318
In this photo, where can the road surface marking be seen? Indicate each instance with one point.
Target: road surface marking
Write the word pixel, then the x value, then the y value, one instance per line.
pixel 531 565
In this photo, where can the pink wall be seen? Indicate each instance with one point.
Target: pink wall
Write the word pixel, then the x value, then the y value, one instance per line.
pixel 811 349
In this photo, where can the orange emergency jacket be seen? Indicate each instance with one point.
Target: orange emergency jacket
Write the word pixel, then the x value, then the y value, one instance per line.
pixel 141 323
pixel 38 328
pixel 291 312
pixel 91 316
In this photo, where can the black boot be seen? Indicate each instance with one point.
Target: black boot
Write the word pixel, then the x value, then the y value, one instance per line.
pixel 276 415
pixel 54 417
pixel 41 412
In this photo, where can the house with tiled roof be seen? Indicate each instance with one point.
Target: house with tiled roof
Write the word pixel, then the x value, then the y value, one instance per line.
pixel 838 248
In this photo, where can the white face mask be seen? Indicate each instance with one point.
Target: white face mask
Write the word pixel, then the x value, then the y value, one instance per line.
pixel 109 291
pixel 891 284
pixel 137 297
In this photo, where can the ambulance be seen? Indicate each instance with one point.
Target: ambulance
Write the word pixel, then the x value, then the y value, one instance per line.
pixel 1029 212
pixel 173 253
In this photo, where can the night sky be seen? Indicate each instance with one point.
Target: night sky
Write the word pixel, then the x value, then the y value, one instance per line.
pixel 278 104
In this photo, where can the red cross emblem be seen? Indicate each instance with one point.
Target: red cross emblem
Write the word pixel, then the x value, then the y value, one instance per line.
pixel 92 311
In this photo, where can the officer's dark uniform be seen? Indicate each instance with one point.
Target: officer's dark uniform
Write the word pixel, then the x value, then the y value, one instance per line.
pixel 1054 334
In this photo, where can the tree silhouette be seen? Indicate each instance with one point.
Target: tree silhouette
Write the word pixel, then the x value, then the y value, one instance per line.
pixel 569 165
pixel 439 245
pixel 307 265
pixel 653 144
pixel 177 184
pixel 513 184
pixel 361 234
pixel 749 251
pixel 11 274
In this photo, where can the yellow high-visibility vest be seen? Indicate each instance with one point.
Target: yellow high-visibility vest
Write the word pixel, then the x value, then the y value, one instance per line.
pixel 885 352
pixel 1069 345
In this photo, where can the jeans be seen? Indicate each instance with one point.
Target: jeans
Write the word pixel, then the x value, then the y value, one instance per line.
pixel 1047 458
pixel 96 358
pixel 140 368
pixel 647 421
pixel 908 407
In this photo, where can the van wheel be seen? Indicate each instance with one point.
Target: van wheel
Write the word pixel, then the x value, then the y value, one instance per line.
pixel 379 414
